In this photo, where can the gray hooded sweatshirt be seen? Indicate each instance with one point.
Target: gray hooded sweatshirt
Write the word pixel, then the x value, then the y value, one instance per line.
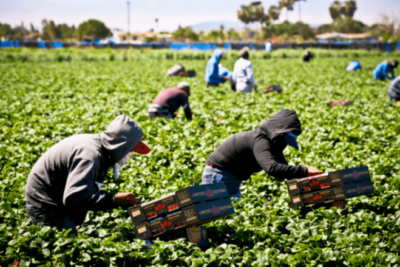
pixel 64 178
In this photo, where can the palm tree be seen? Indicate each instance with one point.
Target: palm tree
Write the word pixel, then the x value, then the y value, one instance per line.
pixel 244 15
pixel 300 8
pixel 349 8
pixel 273 12
pixel 335 10
pixel 288 4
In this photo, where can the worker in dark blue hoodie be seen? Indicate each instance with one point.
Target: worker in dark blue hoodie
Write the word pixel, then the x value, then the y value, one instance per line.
pixel 65 183
pixel 213 76
pixel 385 68
pixel 245 153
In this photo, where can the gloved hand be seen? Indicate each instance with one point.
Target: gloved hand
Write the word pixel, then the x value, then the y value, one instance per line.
pixel 313 171
pixel 126 200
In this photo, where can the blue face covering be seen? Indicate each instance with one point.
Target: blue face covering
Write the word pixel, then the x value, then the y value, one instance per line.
pixel 291 140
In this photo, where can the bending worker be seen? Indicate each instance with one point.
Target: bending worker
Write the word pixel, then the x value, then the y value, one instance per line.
pixel 383 69
pixel 179 70
pixel 394 90
pixel 65 183
pixel 354 65
pixel 213 76
pixel 243 73
pixel 245 153
pixel 170 100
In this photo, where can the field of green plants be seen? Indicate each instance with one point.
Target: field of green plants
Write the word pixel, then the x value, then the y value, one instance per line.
pixel 47 96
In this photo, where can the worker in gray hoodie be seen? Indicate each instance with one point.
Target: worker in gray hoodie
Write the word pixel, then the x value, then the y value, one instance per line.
pixel 65 183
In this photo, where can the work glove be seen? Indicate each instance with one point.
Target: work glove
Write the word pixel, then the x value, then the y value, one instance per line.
pixel 126 200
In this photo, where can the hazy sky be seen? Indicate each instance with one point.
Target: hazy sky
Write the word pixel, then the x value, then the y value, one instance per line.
pixel 170 13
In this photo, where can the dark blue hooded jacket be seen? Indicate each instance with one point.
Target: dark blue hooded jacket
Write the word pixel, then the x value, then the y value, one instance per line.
pixel 382 70
pixel 212 70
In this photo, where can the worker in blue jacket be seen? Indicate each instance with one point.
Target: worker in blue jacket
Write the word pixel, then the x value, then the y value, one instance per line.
pixel 383 69
pixel 354 65
pixel 213 76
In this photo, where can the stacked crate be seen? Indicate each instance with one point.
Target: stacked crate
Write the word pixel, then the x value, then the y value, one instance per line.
pixel 331 187
pixel 193 205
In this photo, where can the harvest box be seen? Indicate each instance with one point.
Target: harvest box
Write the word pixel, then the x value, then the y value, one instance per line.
pixel 338 185
pixel 195 214
pixel 153 209
pixel 175 201
pixel 198 193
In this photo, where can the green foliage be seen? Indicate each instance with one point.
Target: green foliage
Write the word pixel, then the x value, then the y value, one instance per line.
pixel 185 33
pixel 93 28
pixel 348 25
pixel 45 100
pixel 6 30
pixel 300 28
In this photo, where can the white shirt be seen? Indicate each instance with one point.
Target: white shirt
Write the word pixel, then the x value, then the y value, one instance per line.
pixel 243 72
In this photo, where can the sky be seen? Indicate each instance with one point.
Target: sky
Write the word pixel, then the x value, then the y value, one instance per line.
pixel 171 13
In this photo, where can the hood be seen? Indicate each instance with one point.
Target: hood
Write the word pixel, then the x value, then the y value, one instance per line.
pixel 217 54
pixel 283 122
pixel 120 137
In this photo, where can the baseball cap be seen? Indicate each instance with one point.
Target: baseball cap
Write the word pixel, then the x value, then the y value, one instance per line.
pixel 141 148
pixel 291 140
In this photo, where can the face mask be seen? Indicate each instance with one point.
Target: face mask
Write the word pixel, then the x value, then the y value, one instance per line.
pixel 120 164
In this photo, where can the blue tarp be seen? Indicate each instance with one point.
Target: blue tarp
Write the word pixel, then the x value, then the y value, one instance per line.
pixel 42 44
pixel 16 43
pixel 388 47
pixel 57 44
pixel 227 46
pixel 398 46
pixel 6 44
pixel 201 46
pixel 179 46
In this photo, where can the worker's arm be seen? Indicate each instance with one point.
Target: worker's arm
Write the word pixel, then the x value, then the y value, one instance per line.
pixel 275 167
pixel 188 111
pixel 78 193
pixel 184 101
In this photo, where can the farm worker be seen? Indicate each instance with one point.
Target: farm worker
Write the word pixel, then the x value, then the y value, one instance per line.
pixel 394 90
pixel 307 56
pixel 179 70
pixel 170 100
pixel 354 65
pixel 245 153
pixel 383 69
pixel 243 73
pixel 65 183
pixel 213 77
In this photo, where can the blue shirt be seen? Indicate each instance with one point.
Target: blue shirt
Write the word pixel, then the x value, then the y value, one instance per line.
pixel 212 70
pixel 354 65
pixel 382 70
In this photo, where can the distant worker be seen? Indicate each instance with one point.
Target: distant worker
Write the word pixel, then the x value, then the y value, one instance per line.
pixel 307 56
pixel 243 73
pixel 394 90
pixel 213 77
pixel 245 153
pixel 354 65
pixel 168 101
pixel 179 70
pixel 385 68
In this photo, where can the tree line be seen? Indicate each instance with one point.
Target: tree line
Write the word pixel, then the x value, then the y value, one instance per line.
pixel 51 31
pixel 255 14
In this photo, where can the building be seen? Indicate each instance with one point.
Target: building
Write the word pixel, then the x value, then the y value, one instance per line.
pixel 141 37
pixel 347 37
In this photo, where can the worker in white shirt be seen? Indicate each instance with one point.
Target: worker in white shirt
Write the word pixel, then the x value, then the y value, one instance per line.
pixel 243 73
